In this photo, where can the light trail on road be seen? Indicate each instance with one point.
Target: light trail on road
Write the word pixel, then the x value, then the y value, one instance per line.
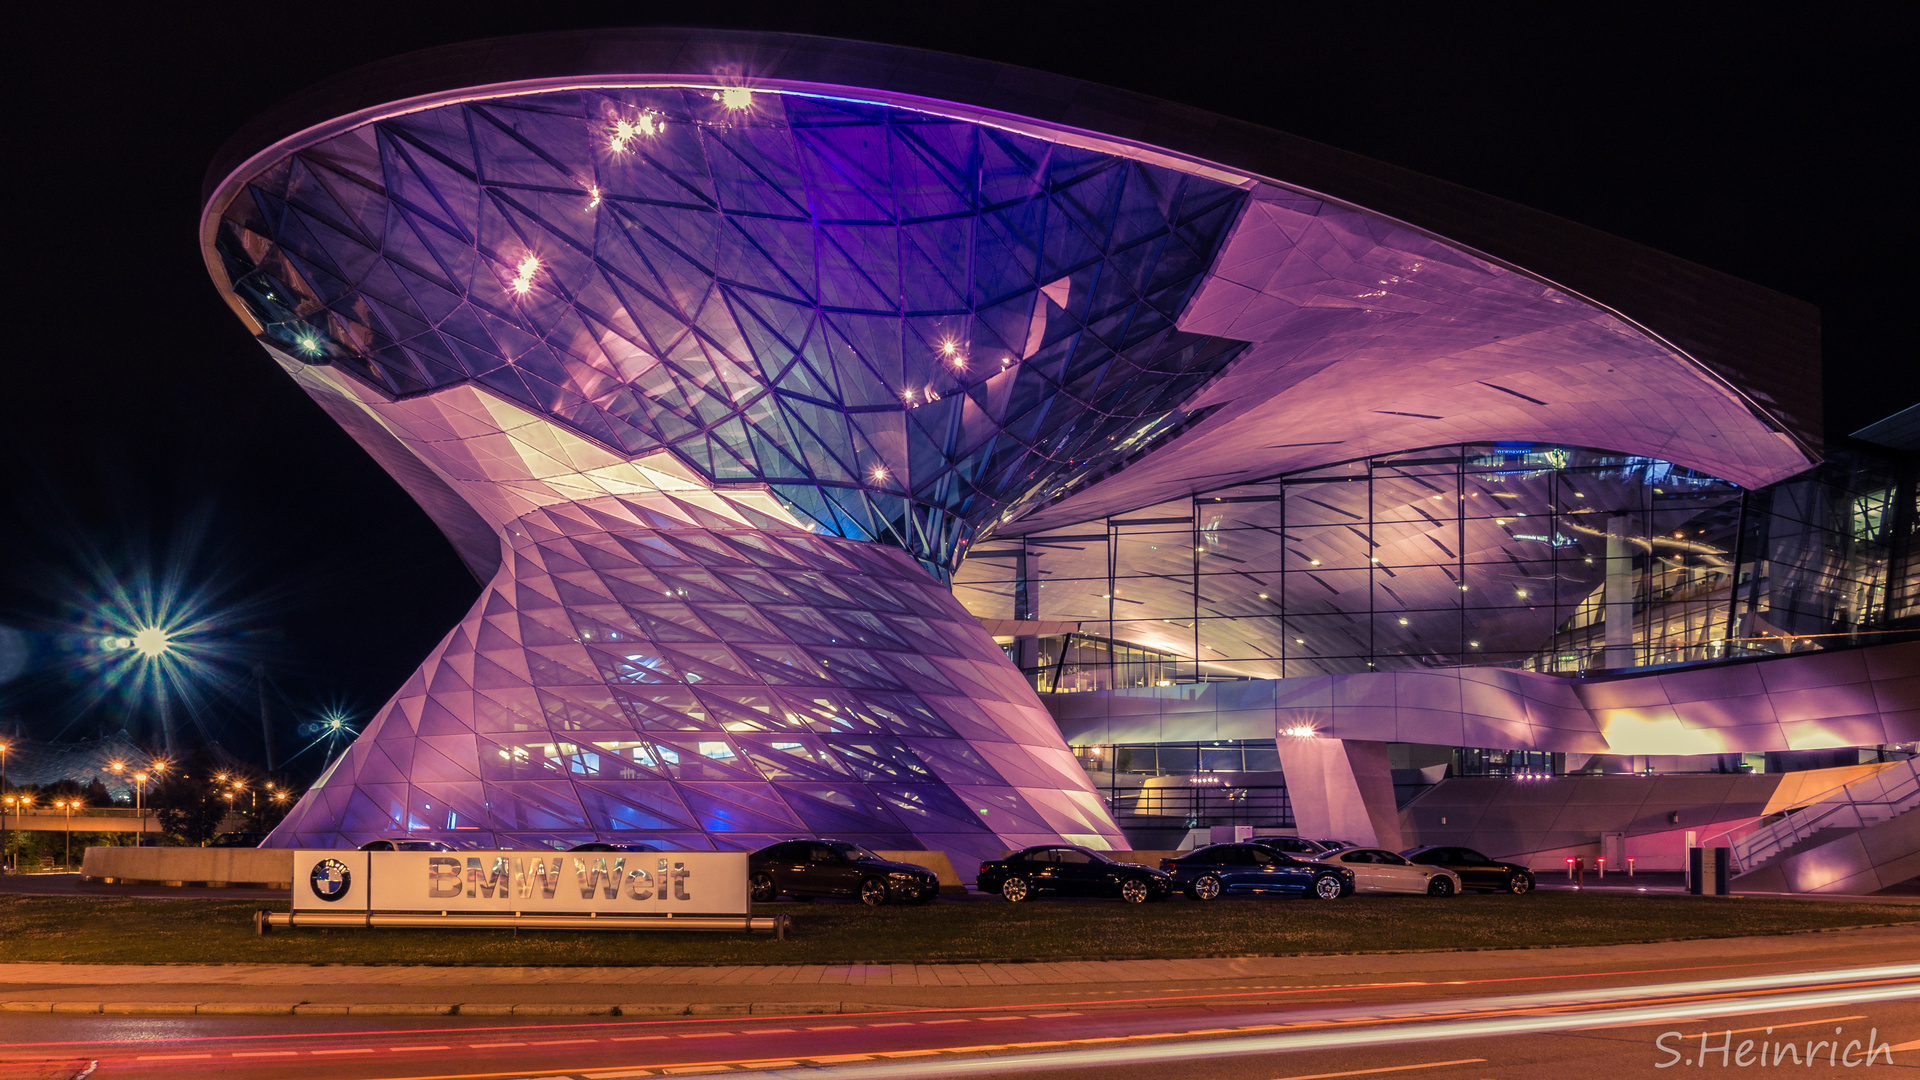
pixel 1242 1045
pixel 906 1044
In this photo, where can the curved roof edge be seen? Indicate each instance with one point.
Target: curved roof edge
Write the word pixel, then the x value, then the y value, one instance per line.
pixel 1765 344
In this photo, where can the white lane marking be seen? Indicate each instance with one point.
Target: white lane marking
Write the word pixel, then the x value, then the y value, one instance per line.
pixel 1049 1016
pixel 704 1034
pixel 490 1046
pixel 355 1050
pixel 561 1042
pixel 171 1057
pixel 833 1027
pixel 902 1023
pixel 961 1020
pixel 266 1053
pixel 1385 1069
pixel 637 1038
pixel 398 1049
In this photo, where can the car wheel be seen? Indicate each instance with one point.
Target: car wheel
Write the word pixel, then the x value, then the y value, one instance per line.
pixel 1206 887
pixel 1016 889
pixel 1439 886
pixel 762 887
pixel 873 891
pixel 1329 887
pixel 1520 884
pixel 1134 891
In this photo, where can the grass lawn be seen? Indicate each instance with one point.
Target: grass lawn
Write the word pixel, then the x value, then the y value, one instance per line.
pixel 104 930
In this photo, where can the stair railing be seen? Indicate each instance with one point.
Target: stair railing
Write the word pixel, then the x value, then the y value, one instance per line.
pixel 1867 801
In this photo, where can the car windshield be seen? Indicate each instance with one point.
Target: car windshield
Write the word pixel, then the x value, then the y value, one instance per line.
pixel 854 852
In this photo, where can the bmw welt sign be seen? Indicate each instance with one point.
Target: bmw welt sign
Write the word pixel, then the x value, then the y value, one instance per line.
pixel 523 882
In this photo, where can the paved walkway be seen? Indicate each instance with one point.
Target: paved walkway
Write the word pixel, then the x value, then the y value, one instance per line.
pixel 285 988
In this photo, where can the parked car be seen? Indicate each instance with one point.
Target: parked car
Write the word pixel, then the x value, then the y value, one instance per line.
pixel 1475 870
pixel 405 843
pixel 804 869
pixel 1379 871
pixel 596 845
pixel 1210 872
pixel 1062 870
pixel 1335 845
pixel 1298 846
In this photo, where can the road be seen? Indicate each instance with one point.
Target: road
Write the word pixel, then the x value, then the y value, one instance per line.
pixel 1566 1025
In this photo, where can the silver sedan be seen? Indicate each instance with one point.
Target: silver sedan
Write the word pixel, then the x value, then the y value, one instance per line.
pixel 1379 871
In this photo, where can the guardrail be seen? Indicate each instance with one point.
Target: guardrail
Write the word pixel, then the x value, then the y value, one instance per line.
pixel 1868 801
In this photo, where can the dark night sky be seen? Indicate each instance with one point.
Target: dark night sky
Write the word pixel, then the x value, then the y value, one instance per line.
pixel 137 419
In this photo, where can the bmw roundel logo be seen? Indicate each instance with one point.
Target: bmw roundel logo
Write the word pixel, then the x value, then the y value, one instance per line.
pixel 331 879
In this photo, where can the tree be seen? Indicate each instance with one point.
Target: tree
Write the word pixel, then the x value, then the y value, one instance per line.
pixel 187 804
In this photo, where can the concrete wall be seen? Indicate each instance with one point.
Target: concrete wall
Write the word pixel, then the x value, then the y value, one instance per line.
pixel 250 867
pixel 1852 697
pixel 1541 822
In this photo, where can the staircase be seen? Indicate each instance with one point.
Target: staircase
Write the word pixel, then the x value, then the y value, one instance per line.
pixel 1862 838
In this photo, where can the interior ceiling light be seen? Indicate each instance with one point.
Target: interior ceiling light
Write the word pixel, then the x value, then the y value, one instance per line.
pixel 522 282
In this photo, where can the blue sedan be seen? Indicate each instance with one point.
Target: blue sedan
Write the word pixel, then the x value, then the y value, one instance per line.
pixel 1210 872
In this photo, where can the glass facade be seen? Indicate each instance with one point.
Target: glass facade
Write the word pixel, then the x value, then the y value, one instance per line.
pixel 632 675
pixel 907 325
pixel 1552 559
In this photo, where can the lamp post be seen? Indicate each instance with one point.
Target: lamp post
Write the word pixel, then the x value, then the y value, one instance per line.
pixel 66 861
pixel 18 803
pixel 139 815
pixel 117 768
pixel 4 846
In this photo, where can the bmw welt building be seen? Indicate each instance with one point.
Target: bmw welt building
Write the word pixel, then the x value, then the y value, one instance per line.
pixel 862 442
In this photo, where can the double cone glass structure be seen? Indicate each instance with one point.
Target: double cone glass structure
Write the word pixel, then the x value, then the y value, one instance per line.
pixel 715 354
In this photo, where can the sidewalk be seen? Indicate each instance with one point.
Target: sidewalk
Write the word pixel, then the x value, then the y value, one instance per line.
pixel 288 989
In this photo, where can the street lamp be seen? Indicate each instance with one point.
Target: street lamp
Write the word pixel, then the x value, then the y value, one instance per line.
pixel 3 815
pixel 69 805
pixel 18 804
pixel 139 815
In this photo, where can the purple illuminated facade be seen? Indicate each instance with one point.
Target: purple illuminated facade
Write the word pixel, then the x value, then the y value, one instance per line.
pixel 716 356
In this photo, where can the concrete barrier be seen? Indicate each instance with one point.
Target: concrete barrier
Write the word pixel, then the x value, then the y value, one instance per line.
pixel 249 868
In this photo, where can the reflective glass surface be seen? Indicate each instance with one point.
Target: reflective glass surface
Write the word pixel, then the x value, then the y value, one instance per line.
pixel 907 325
pixel 1476 554
pixel 646 671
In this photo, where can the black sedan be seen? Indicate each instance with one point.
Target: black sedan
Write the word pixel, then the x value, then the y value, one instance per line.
pixel 1476 870
pixel 804 869
pixel 1060 870
pixel 1210 872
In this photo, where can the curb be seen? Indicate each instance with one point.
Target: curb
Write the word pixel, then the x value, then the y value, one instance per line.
pixel 249 1008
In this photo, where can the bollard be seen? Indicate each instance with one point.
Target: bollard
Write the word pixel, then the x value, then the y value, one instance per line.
pixel 1600 871
pixel 1629 868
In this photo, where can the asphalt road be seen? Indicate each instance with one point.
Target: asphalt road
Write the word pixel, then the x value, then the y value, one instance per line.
pixel 1598 1024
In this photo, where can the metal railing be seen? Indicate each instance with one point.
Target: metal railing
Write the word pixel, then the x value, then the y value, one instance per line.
pixel 1199 805
pixel 1886 794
